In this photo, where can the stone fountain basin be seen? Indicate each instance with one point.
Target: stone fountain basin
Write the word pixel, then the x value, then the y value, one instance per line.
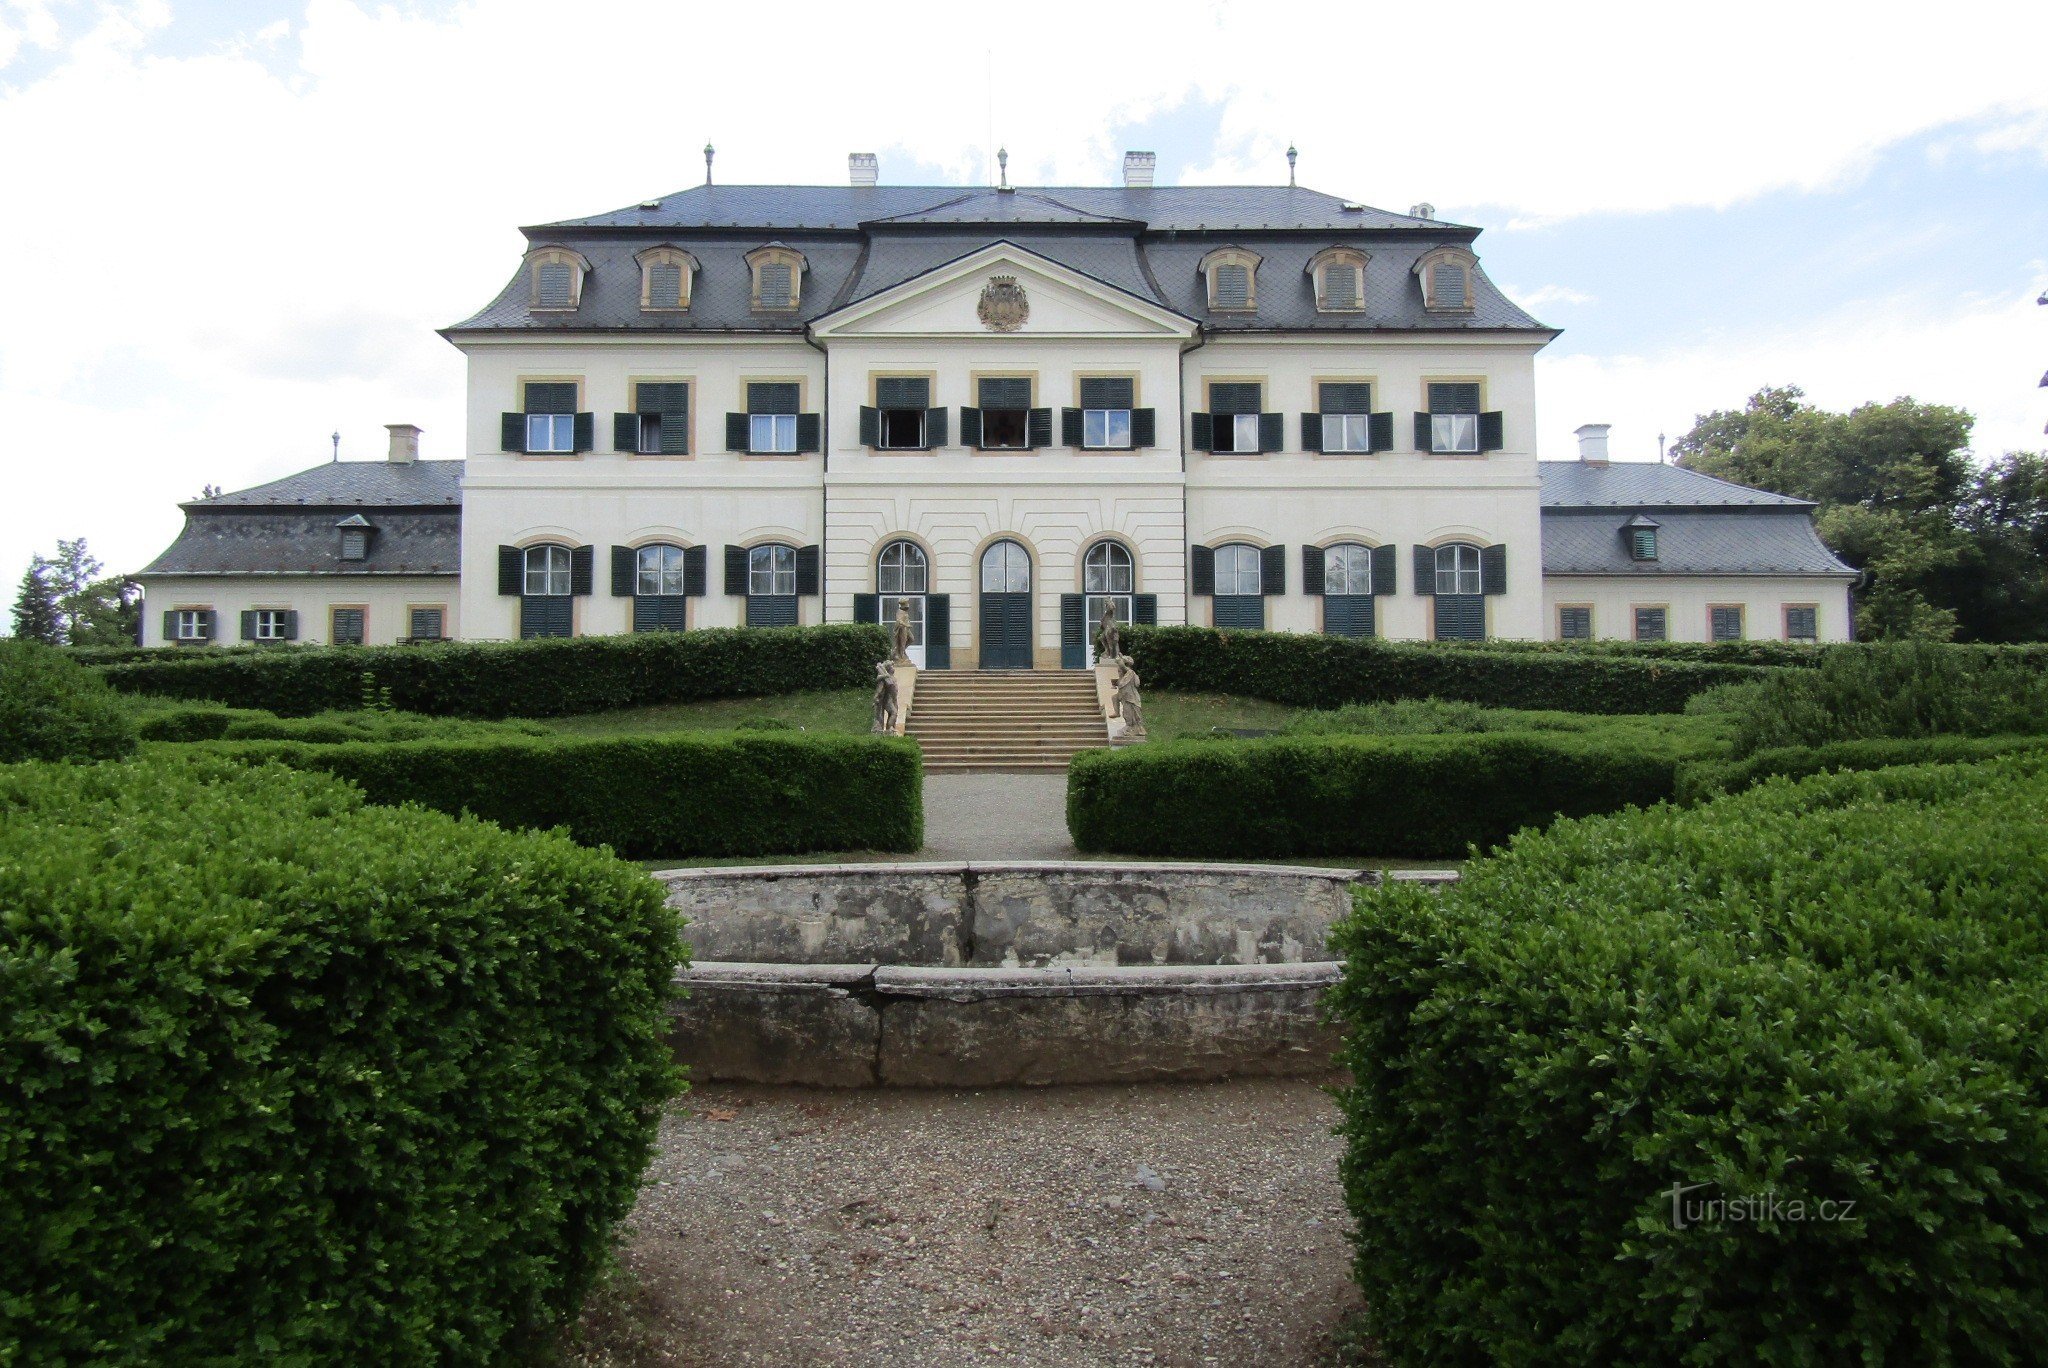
pixel 976 974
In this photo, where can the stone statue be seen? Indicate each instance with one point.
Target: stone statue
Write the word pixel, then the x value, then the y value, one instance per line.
pixel 1108 640
pixel 899 633
pixel 885 698
pixel 1129 708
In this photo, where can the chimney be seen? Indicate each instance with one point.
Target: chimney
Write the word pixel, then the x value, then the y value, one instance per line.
pixel 862 168
pixel 405 443
pixel 1138 169
pixel 1593 443
pixel 1424 210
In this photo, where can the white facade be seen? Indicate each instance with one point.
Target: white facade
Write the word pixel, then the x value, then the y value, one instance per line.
pixel 1689 603
pixel 387 603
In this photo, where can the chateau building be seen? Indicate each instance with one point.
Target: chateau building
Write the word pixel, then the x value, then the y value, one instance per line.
pixel 1253 407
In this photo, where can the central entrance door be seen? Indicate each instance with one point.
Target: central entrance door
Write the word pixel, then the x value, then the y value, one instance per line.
pixel 902 575
pixel 1006 607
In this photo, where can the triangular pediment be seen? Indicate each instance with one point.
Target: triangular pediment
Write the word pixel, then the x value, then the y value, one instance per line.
pixel 998 290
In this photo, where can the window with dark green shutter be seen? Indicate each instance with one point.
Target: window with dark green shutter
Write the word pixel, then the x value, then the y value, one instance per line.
pixel 1346 410
pixel 550 416
pixel 1232 286
pixel 1802 622
pixel 554 284
pixel 1650 624
pixel 1240 586
pixel 777 285
pixel 1575 624
pixel 345 627
pixel 1724 623
pixel 664 414
pixel 1105 416
pixel 1234 416
pixel 1005 405
pixel 426 624
pixel 1340 286
pixel 1454 417
pixel 902 404
pixel 665 286
pixel 772 417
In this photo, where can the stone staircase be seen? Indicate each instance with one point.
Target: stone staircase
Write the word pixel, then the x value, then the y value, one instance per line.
pixel 1013 720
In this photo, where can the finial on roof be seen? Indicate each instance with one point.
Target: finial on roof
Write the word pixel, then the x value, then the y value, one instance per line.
pixel 1291 155
pixel 336 439
pixel 1003 163
pixel 709 153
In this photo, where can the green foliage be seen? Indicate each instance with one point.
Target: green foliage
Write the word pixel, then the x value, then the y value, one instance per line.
pixel 1328 672
pixel 294 1080
pixel 1700 780
pixel 1833 990
pixel 1385 795
pixel 54 709
pixel 35 607
pixel 1897 690
pixel 647 797
pixel 160 721
pixel 549 678
pixel 189 721
pixel 2001 592
pixel 64 600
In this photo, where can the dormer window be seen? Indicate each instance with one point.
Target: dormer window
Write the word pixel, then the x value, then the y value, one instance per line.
pixel 1642 538
pixel 1339 276
pixel 778 278
pixel 666 277
pixel 1446 275
pixel 1233 280
pixel 558 275
pixel 355 537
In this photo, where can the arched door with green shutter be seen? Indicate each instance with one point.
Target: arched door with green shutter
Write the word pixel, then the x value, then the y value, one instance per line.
pixel 1005 625
pixel 1460 593
pixel 1347 590
pixel 902 575
pixel 546 608
pixel 1240 587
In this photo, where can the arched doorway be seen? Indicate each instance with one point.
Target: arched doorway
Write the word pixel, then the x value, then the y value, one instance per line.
pixel 1105 578
pixel 903 575
pixel 1006 606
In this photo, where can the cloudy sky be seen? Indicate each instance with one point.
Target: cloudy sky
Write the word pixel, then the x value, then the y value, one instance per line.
pixel 231 227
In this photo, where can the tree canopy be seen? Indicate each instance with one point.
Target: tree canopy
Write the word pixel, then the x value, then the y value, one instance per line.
pixel 66 600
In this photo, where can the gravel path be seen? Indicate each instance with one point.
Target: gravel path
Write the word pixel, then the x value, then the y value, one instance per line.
pixel 996 817
pixel 1151 1224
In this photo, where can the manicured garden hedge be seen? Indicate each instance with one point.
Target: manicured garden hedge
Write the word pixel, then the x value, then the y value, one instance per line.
pixel 1415 795
pixel 291 1079
pixel 1833 991
pixel 548 678
pixel 54 709
pixel 1700 780
pixel 683 795
pixel 1327 672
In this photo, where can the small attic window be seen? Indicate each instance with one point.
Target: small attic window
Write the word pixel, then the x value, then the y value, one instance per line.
pixel 558 275
pixel 667 275
pixel 1641 533
pixel 1233 280
pixel 355 537
pixel 778 279
pixel 1339 277
pixel 1447 279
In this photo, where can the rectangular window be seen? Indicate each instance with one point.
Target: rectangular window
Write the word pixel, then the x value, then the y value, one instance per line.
pixel 771 432
pixel 1346 406
pixel 1005 413
pixel 191 624
pixel 664 286
pixel 1340 287
pixel 1106 428
pixel 1724 624
pixel 1802 622
pixel 424 624
pixel 775 285
pixel 1574 624
pixel 355 543
pixel 649 443
pixel 1235 405
pixel 270 624
pixel 1454 417
pixel 902 401
pixel 1650 624
pixel 555 281
pixel 1642 543
pixel 1236 432
pixel 1233 287
pixel 551 432
pixel 345 627
pixel 1448 279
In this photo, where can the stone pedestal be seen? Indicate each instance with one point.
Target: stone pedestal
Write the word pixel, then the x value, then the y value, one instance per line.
pixel 906 685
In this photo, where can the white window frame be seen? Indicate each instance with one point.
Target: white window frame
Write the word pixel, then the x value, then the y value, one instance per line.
pixel 1100 429
pixel 882 434
pixel 902 570
pixel 1465 574
pixel 1347 570
pixel 1245 566
pixel 1454 433
pixel 1244 433
pixel 1013 567
pixel 553 572
pixel 1107 570
pixel 1352 433
pixel 190 624
pixel 769 574
pixel 771 433
pixel 551 434
pixel 270 624
pixel 658 571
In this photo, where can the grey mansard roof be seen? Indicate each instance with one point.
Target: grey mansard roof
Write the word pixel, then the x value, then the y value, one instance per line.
pixel 1648 484
pixel 1704 526
pixel 292 526
pixel 859 240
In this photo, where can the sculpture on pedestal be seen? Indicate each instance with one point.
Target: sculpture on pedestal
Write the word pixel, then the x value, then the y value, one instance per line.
pixel 885 698
pixel 899 633
pixel 1109 639
pixel 1129 707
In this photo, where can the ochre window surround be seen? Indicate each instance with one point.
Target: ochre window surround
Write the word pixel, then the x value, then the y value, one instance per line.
pixel 1452 290
pixel 656 266
pixel 548 269
pixel 1347 263
pixel 1221 289
pixel 778 279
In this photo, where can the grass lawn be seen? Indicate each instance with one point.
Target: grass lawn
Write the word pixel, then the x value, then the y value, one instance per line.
pixel 1170 716
pixel 830 710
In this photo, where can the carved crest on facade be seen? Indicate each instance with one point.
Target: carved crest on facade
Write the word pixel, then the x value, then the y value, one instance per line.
pixel 1003 307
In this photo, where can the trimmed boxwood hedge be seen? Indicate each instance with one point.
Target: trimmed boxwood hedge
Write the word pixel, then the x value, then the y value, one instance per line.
pixel 291 1079
pixel 1830 990
pixel 1328 671
pixel 1412 795
pixel 1700 780
pixel 693 794
pixel 546 678
pixel 54 709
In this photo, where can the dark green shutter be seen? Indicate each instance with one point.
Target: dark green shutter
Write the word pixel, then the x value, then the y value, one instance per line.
pixel 551 396
pixel 675 416
pixel 1144 428
pixel 694 570
pixel 1311 569
pixel 735 569
pixel 1311 432
pixel 1273 567
pixel 586 431
pixel 1380 431
pixel 1235 396
pixel 935 428
pixel 1073 632
pixel 511 570
pixel 1107 392
pixel 512 432
pixel 1272 431
pixel 1347 615
pixel 1012 393
pixel 938 632
pixel 900 391
pixel 625 564
pixel 806 571
pixel 1493 569
pixel 1490 432
pixel 1383 569
pixel 170 625
pixel 625 432
pixel 739 433
pixel 1460 617
pixel 1425 569
pixel 772 396
pixel 1243 612
pixel 1344 396
pixel 867 607
pixel 1425 439
pixel 209 625
pixel 582 569
pixel 1145 610
pixel 1038 428
pixel 1202 569
pixel 248 624
pixel 291 624
pixel 1201 432
pixel 970 427
pixel 1072 433
pixel 1457 396
pixel 870 426
pixel 810 432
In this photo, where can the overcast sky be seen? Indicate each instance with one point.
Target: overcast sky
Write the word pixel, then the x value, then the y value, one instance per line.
pixel 230 228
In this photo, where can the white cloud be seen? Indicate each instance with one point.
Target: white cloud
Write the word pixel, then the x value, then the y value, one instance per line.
pixel 217 259
pixel 1534 300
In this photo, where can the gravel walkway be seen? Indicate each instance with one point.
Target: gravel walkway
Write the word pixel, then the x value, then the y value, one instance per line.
pixel 996 817
pixel 1151 1224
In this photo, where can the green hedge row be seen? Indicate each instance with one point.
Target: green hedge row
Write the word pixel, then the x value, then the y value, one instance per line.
pixel 1415 796
pixel 1825 992
pixel 548 678
pixel 53 709
pixel 1327 672
pixel 647 797
pixel 217 722
pixel 294 1080
pixel 1700 780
